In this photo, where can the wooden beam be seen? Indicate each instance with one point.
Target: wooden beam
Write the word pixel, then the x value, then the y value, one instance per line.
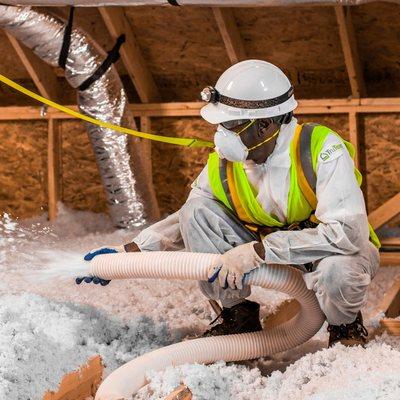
pixel 81 384
pixel 41 73
pixel 349 46
pixel 391 296
pixel 390 303
pixel 180 393
pixel 353 136
pixel 390 258
pixel 391 326
pixel 117 23
pixel 53 167
pixel 192 109
pixel 391 242
pixel 145 126
pixel 385 212
pixel 230 34
pixel 390 306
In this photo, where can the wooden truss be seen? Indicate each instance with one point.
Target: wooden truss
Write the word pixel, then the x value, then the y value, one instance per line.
pixel 81 384
pixel 390 306
pixel 151 106
pixel 146 111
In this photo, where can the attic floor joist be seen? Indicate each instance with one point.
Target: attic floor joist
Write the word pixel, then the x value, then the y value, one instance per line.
pixel 192 109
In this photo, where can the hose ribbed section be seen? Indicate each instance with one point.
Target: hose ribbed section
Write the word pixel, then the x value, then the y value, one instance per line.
pixel 128 379
pixel 155 264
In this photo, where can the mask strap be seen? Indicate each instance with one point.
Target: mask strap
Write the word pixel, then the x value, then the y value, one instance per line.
pixel 265 141
pixel 246 127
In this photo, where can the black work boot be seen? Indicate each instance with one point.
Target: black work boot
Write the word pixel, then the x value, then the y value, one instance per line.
pixel 348 334
pixel 241 318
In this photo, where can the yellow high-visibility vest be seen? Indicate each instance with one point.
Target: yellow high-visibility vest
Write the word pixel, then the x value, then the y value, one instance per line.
pixel 230 185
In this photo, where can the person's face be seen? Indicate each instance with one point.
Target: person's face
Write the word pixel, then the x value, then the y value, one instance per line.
pixel 253 133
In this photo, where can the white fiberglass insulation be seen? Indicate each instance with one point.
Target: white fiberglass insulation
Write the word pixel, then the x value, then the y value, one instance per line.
pixel 49 326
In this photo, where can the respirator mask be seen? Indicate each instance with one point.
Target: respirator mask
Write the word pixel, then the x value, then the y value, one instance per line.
pixel 228 143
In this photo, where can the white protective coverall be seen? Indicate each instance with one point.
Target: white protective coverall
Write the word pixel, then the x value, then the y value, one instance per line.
pixel 344 261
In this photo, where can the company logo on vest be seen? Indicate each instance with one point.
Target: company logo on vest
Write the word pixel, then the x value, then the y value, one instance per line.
pixel 332 152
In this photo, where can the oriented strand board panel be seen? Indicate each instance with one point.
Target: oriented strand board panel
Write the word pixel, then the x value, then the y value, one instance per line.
pixel 182 47
pixel 10 97
pixel 377 28
pixel 185 51
pixel 175 168
pixel 23 168
pixel 338 122
pixel 382 143
pixel 82 187
pixel 303 41
pixel 11 66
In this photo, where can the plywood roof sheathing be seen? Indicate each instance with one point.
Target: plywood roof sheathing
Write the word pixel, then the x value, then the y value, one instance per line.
pixel 117 23
pixel 41 73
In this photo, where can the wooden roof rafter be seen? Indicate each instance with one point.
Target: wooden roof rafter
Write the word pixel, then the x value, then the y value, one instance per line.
pixel 230 34
pixel 45 80
pixel 41 73
pixel 117 24
pixel 349 46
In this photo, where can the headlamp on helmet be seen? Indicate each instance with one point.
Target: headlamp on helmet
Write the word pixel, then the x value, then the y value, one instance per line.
pixel 210 94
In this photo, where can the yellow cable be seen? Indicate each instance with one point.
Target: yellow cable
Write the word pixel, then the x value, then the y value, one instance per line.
pixel 188 142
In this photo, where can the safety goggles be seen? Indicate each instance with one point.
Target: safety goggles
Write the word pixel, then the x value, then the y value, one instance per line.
pixel 238 126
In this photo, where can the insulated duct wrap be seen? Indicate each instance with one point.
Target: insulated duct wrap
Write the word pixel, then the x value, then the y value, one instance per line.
pixel 124 382
pixel 130 198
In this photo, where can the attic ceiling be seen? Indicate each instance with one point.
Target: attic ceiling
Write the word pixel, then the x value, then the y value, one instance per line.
pixel 184 51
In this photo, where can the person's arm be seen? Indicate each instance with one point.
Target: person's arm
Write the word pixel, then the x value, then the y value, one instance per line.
pixel 166 234
pixel 163 235
pixel 341 210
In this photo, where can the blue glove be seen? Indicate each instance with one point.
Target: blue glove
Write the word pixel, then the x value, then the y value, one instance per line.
pixel 89 257
pixel 103 250
pixel 95 279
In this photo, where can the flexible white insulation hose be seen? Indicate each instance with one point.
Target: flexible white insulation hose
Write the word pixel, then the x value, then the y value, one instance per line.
pixel 128 379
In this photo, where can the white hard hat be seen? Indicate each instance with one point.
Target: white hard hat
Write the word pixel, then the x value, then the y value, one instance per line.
pixel 250 89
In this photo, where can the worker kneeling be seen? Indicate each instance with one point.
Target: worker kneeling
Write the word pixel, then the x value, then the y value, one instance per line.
pixel 273 192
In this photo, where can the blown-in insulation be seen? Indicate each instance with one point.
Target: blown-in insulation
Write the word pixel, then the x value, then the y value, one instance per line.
pixel 128 379
pixel 130 197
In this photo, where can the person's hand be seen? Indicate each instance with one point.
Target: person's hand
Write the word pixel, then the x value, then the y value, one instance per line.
pixel 130 247
pixel 91 279
pixel 103 250
pixel 232 266
pixel 89 257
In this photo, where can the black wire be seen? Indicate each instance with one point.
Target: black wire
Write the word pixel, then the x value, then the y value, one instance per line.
pixel 62 59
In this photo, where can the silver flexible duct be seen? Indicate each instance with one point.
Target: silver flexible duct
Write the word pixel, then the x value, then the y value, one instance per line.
pixel 130 197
